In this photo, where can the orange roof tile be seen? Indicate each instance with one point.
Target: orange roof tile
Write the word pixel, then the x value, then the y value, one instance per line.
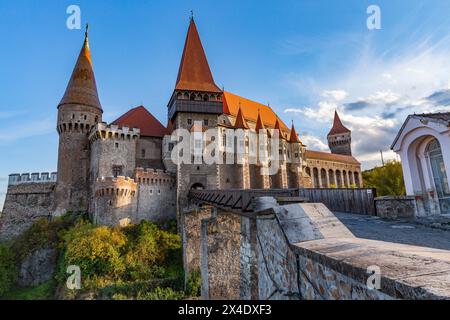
pixel 82 88
pixel 338 127
pixel 141 118
pixel 250 110
pixel 318 155
pixel 194 72
pixel 240 121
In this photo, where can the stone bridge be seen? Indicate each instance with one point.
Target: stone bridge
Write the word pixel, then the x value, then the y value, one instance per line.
pixel 270 244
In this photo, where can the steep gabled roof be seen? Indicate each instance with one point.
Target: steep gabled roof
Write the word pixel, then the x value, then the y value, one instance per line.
pixel 82 88
pixel 141 118
pixel 240 123
pixel 338 127
pixel 194 72
pixel 259 123
pixel 250 110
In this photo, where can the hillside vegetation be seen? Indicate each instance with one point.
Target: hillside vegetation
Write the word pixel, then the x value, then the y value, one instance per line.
pixel 140 261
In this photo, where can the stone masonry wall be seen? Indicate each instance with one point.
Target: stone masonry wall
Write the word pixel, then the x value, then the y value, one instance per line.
pixel 156 195
pixel 220 252
pixel 24 204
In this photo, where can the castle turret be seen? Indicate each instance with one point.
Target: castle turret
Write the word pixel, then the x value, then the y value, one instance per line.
pixel 78 111
pixel 296 160
pixel 340 138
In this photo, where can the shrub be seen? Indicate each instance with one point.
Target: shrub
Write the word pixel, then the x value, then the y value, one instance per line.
pixel 8 270
pixel 194 284
pixel 96 250
pixel 148 250
pixel 161 294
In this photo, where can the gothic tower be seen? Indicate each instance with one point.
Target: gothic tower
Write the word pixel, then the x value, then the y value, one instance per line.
pixel 195 105
pixel 78 111
pixel 340 138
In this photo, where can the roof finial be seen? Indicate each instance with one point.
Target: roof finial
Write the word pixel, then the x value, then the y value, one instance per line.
pixel 192 15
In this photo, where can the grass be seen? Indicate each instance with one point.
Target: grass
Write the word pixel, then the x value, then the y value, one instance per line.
pixel 44 291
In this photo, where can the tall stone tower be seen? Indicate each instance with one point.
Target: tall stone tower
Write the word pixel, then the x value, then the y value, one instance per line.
pixel 340 138
pixel 78 111
pixel 195 105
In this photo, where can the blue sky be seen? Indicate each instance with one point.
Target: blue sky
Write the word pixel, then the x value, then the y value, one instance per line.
pixel 306 58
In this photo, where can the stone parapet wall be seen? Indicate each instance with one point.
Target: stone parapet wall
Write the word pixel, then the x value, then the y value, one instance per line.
pixel 104 131
pixel 36 177
pixel 24 204
pixel 302 251
pixel 393 207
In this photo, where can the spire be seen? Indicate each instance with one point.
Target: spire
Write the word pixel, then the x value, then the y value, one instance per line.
pixel 293 137
pixel 82 88
pixel 278 127
pixel 194 72
pixel 240 123
pixel 338 127
pixel 259 123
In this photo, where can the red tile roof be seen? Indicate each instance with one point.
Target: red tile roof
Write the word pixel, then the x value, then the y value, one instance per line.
pixel 194 72
pixel 338 127
pixel 250 110
pixel 318 155
pixel 82 88
pixel 141 118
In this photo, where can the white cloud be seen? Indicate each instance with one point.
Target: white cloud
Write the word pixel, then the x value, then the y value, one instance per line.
pixel 380 91
pixel 314 143
pixel 337 95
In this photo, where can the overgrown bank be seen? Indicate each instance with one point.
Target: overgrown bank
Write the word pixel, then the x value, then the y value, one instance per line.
pixel 141 261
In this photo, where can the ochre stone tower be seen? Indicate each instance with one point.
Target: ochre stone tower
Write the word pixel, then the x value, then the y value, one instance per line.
pixel 340 138
pixel 195 105
pixel 78 111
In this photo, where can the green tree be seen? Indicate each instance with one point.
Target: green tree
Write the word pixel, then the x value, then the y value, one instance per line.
pixel 8 270
pixel 388 180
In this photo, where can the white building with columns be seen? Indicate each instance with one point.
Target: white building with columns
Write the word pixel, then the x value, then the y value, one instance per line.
pixel 423 144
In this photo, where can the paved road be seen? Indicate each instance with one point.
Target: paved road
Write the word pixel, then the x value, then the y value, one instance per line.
pixel 401 232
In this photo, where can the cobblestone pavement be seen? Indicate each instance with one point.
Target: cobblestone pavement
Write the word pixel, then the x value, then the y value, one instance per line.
pixel 395 231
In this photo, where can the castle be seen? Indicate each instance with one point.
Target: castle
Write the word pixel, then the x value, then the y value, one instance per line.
pixel 124 171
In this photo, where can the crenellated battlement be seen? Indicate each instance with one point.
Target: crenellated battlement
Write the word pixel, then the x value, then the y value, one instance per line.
pixel 117 187
pixel 36 177
pixel 102 131
pixel 154 177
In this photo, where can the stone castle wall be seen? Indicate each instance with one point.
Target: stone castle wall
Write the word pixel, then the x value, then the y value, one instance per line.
pixel 302 251
pixel 112 146
pixel 115 201
pixel 156 195
pixel 29 197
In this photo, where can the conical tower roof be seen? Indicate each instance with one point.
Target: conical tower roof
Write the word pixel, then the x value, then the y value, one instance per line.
pixel 82 88
pixel 194 72
pixel 293 137
pixel 338 127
